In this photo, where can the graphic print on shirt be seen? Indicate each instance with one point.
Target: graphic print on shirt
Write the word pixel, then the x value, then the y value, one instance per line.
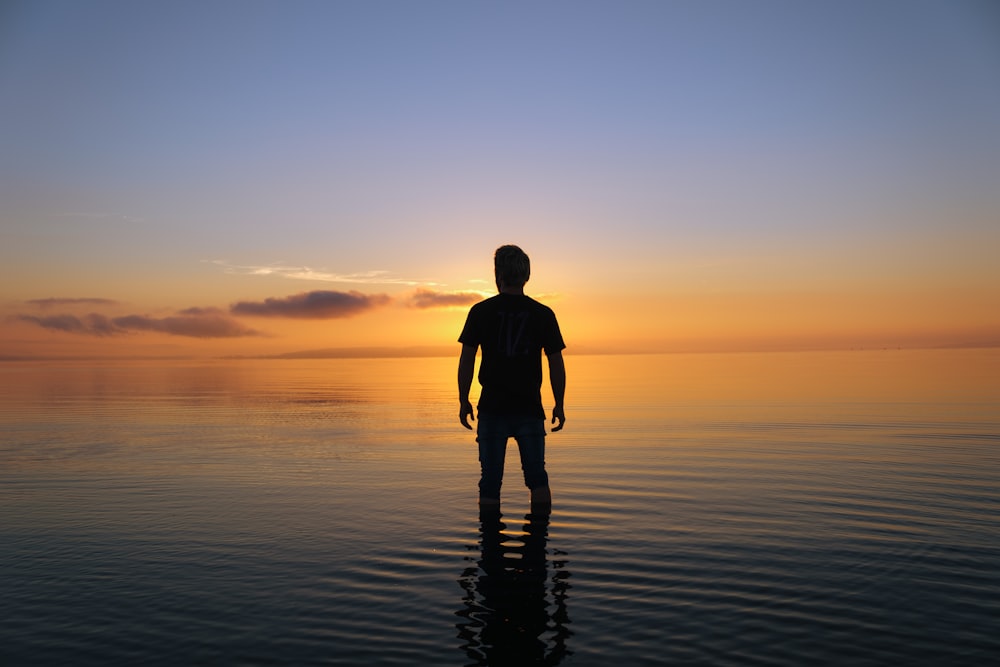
pixel 511 332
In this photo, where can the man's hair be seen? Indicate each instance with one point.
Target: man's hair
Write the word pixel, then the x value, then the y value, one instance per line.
pixel 511 265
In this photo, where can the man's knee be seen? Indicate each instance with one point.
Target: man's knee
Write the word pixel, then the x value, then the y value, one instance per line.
pixel 536 477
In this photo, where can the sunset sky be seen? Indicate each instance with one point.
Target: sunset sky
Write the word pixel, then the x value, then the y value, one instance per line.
pixel 254 178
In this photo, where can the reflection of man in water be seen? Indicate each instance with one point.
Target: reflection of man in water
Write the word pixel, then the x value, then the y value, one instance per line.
pixel 513 330
pixel 514 610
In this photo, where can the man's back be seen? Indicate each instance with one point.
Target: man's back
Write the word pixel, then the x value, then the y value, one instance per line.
pixel 513 330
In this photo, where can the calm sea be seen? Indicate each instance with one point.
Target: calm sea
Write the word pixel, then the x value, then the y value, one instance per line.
pixel 733 509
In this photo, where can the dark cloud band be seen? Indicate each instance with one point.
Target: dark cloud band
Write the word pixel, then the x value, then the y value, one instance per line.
pixel 200 325
pixel 319 304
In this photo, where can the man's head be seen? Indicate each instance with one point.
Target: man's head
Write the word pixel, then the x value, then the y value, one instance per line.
pixel 511 266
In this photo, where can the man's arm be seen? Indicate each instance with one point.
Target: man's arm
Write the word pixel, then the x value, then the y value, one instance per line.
pixel 557 377
pixel 466 371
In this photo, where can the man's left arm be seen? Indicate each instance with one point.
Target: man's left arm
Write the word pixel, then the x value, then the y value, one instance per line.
pixel 466 371
pixel 557 378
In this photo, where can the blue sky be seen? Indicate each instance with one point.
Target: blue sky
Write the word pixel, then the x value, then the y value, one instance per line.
pixel 711 145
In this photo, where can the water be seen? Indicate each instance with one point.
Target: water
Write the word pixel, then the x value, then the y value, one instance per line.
pixel 768 509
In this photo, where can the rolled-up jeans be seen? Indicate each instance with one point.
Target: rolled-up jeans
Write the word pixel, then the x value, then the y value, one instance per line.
pixel 492 433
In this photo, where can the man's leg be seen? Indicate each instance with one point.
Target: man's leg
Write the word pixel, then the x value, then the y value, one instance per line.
pixel 530 435
pixel 541 498
pixel 492 450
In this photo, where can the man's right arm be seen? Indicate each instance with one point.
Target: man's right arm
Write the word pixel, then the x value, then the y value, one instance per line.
pixel 466 371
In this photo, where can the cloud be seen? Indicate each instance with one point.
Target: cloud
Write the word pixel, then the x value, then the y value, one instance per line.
pixel 62 302
pixel 319 304
pixel 93 324
pixel 205 323
pixel 427 298
pixel 377 277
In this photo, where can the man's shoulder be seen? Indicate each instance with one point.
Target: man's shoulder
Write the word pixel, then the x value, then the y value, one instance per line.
pixel 485 304
pixel 538 305
pixel 500 302
pixel 526 301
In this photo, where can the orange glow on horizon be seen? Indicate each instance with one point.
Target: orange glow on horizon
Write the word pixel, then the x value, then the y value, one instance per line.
pixel 590 322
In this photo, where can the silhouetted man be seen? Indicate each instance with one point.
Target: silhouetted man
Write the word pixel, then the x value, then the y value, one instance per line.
pixel 512 329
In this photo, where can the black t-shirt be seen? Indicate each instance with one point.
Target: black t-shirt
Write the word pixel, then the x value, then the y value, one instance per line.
pixel 512 330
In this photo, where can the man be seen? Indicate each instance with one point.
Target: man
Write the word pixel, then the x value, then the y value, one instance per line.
pixel 512 329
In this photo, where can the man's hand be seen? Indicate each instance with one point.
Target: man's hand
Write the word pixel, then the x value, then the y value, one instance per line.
pixel 465 414
pixel 558 416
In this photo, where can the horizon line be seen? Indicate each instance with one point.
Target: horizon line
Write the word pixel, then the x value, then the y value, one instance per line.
pixel 441 351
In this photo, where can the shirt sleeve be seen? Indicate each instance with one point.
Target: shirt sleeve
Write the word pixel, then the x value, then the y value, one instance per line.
pixel 470 333
pixel 553 337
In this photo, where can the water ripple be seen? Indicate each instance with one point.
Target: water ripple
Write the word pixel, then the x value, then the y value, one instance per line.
pixel 324 513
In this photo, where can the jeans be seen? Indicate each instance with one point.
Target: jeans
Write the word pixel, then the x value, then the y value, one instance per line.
pixel 492 432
